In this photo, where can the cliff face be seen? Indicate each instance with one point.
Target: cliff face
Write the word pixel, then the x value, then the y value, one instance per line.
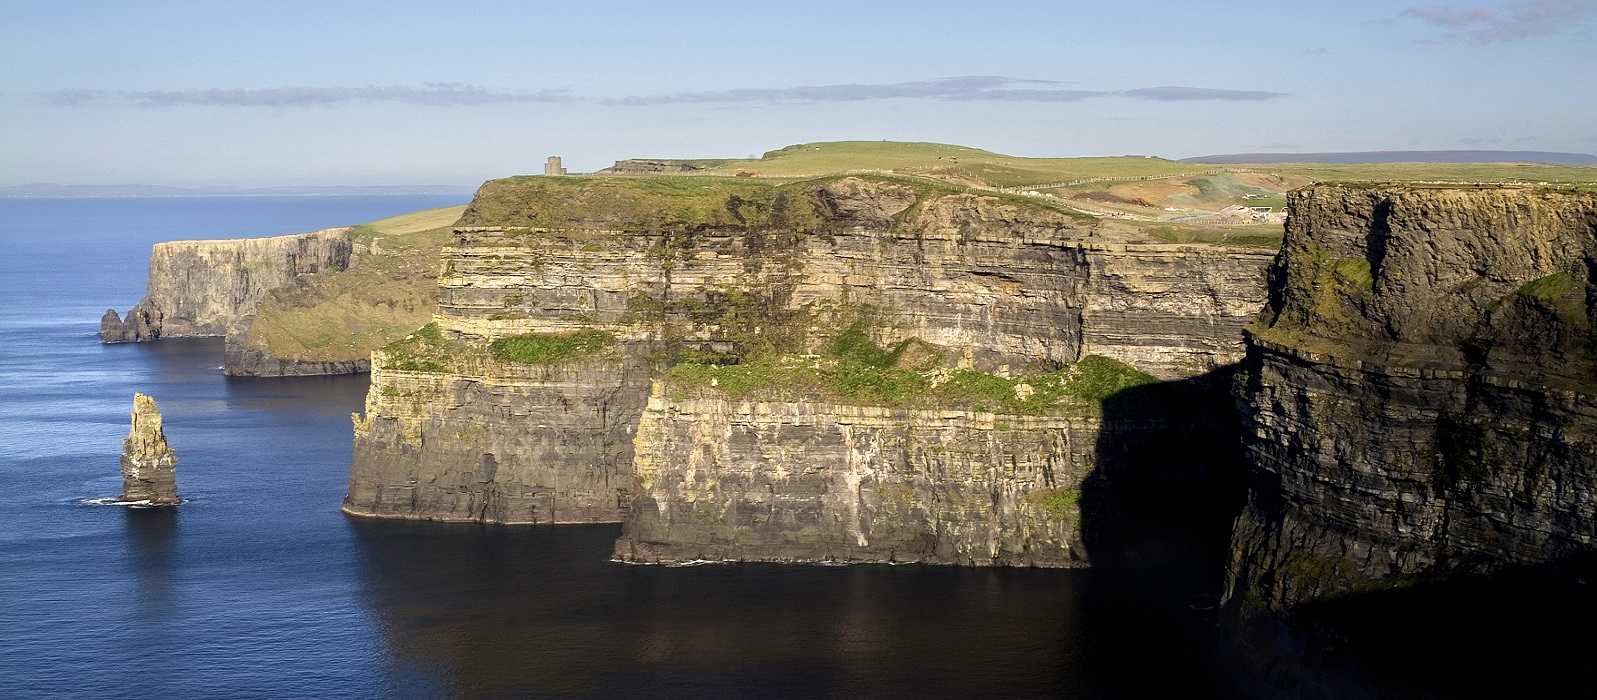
pixel 206 288
pixel 149 466
pixel 722 273
pixel 817 482
pixel 329 323
pixel 497 442
pixel 1418 397
pixel 1171 310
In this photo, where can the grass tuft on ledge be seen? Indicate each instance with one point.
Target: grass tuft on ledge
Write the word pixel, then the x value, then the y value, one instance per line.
pixel 855 370
pixel 547 349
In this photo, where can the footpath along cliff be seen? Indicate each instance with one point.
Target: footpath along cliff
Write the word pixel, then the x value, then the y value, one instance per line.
pixel 845 369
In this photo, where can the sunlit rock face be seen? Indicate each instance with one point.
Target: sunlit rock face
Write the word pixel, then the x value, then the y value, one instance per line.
pixel 1418 397
pixel 149 466
pixel 729 272
pixel 211 287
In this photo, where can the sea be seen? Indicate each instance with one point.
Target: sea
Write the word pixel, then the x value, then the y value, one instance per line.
pixel 257 586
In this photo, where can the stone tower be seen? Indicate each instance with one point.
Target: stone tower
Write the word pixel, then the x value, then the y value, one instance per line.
pixel 149 466
pixel 553 166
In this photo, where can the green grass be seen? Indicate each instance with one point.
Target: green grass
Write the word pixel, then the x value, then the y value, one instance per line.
pixel 386 293
pixel 682 204
pixel 621 203
pixel 1252 235
pixel 854 370
pixel 1063 504
pixel 997 169
pixel 425 350
pixel 414 222
pixel 1224 188
pixel 540 349
pixel 1563 294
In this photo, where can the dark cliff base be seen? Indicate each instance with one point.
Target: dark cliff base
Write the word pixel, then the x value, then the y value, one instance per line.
pixel 250 362
pixel 1519 633
pixel 1168 480
pixel 1418 411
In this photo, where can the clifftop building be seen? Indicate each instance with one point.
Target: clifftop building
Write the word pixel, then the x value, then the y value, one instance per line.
pixel 553 166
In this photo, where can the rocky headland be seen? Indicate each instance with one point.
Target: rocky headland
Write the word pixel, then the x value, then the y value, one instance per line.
pixel 1418 398
pixel 206 288
pixel 303 304
pixel 149 466
pixel 845 369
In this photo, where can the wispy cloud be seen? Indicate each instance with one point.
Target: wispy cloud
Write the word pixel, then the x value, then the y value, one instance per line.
pixel 969 88
pixel 982 88
pixel 1176 93
pixel 963 89
pixel 1512 22
pixel 430 94
pixel 74 98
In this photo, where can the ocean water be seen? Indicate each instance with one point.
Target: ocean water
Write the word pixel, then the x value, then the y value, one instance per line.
pixel 258 587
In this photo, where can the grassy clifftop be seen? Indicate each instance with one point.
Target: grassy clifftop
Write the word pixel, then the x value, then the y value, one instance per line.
pixel 999 170
pixel 389 290
pixel 667 202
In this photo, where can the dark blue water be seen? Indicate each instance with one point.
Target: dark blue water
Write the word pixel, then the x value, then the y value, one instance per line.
pixel 257 586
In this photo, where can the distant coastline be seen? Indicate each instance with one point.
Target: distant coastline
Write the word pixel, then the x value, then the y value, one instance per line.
pixel 1551 158
pixel 54 191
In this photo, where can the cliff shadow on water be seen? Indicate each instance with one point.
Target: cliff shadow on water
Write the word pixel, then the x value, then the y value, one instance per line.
pixel 1168 480
pixel 1502 635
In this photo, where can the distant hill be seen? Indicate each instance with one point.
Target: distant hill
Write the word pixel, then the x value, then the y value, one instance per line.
pixel 1403 157
pixel 50 190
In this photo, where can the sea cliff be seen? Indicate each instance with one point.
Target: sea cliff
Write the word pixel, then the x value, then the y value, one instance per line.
pixel 208 288
pixel 1418 397
pixel 677 279
pixel 306 304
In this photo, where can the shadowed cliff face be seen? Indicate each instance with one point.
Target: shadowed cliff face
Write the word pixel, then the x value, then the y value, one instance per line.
pixel 736 273
pixel 1418 400
pixel 1167 480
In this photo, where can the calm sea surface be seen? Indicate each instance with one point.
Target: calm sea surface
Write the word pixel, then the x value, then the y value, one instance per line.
pixel 257 586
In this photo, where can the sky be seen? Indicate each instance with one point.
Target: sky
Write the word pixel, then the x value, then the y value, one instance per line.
pixel 193 93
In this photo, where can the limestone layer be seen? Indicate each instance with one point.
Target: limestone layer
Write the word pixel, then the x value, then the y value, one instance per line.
pixel 1007 286
pixel 821 482
pixel 495 443
pixel 149 466
pixel 1418 398
pixel 208 288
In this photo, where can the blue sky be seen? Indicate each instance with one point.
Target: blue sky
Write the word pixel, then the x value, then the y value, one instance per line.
pixel 395 92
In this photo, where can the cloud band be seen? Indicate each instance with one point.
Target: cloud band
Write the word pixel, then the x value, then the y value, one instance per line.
pixel 962 89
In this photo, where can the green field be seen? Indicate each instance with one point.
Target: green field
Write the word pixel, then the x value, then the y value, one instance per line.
pixel 389 290
pixel 999 170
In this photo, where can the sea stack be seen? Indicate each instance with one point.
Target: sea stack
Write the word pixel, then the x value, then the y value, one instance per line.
pixel 149 466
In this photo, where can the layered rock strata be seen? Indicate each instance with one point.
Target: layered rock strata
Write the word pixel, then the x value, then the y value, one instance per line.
pixel 1419 397
pixel 822 482
pixel 726 271
pixel 329 323
pixel 208 288
pixel 149 466
pixel 498 442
